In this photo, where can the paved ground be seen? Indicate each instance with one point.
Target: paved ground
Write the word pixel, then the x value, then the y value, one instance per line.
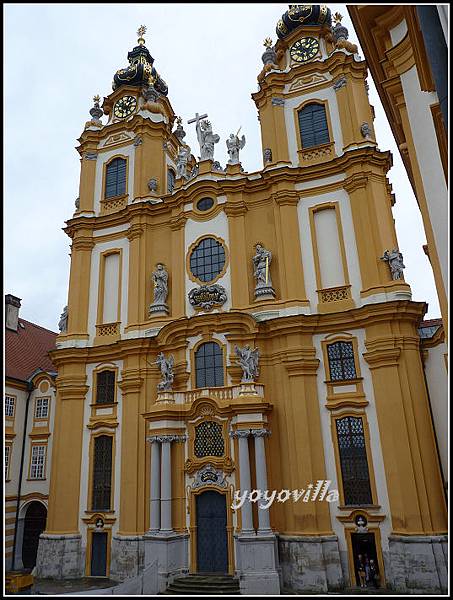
pixel 68 586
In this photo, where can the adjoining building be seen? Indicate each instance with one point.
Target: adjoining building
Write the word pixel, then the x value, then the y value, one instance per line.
pixel 406 49
pixel 231 331
pixel 29 422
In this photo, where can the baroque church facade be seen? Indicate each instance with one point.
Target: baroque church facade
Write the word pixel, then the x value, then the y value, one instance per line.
pixel 230 331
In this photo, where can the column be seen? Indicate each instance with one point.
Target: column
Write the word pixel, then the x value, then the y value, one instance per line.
pixel 245 483
pixel 165 498
pixel 154 510
pixel 261 478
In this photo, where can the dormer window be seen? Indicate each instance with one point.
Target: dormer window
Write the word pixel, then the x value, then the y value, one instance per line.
pixel 115 178
pixel 313 125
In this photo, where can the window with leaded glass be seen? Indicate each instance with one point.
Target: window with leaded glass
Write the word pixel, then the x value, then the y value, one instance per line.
pixel 10 402
pixel 209 440
pixel 115 178
pixel 313 127
pixel 102 472
pixel 207 259
pixel 38 462
pixel 353 461
pixel 105 387
pixel 209 365
pixel 341 361
pixel 171 179
pixel 42 408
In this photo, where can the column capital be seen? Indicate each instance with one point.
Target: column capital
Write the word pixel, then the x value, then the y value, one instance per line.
pixel 260 432
pixel 166 439
pixel 240 433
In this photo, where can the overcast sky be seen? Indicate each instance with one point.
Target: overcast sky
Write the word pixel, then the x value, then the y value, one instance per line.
pixel 58 56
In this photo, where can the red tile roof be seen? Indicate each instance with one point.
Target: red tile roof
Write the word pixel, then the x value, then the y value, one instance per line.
pixel 431 322
pixel 26 350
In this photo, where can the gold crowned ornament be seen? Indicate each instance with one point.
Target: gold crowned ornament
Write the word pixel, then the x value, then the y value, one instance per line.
pixel 141 32
pixel 267 43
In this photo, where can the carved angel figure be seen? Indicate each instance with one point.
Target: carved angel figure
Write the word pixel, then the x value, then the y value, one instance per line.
pixel 166 369
pixel 181 161
pixel 234 144
pixel 248 360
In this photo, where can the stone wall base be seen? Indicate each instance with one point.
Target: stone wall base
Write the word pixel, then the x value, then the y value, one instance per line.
pixel 127 557
pixel 310 564
pixel 417 564
pixel 172 554
pixel 257 564
pixel 60 557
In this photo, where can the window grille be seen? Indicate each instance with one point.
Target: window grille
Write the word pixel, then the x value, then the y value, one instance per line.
pixel 42 408
pixel 10 402
pixel 353 460
pixel 102 473
pixel 313 127
pixel 207 259
pixel 209 365
pixel 38 462
pixel 115 178
pixel 105 387
pixel 171 179
pixel 209 440
pixel 341 361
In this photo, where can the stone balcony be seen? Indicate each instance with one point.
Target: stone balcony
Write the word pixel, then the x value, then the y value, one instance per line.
pixel 222 394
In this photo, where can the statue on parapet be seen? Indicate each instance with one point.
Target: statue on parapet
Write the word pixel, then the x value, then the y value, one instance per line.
pixel 166 369
pixel 234 145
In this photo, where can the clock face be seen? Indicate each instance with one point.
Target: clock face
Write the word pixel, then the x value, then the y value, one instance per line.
pixel 304 49
pixel 125 106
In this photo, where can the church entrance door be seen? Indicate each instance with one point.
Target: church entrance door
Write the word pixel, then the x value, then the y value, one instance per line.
pixel 35 523
pixel 212 542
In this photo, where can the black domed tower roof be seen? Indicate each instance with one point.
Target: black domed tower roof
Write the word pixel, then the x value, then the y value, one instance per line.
pixel 140 70
pixel 298 15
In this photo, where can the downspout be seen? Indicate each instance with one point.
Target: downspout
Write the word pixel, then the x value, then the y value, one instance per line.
pixel 24 439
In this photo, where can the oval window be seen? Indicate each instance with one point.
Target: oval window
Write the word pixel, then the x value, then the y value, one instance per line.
pixel 207 259
pixel 205 204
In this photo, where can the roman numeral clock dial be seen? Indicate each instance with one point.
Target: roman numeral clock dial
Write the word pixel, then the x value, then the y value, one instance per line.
pixel 304 49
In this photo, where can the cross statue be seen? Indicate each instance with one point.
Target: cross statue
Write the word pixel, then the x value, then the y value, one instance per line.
pixel 197 118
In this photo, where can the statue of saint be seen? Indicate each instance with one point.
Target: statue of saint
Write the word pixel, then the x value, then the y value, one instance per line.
pixel 63 323
pixel 206 139
pixel 234 144
pixel 394 259
pixel 181 161
pixel 160 279
pixel 166 369
pixel 248 360
pixel 261 267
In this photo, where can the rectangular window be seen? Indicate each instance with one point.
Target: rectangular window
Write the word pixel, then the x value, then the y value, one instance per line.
pixel 353 461
pixel 10 402
pixel 313 127
pixel 115 178
pixel 102 473
pixel 7 460
pixel 38 462
pixel 341 361
pixel 42 408
pixel 105 387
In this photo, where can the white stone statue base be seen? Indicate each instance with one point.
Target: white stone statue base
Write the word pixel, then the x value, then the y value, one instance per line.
pixel 165 397
pixel 264 293
pixel 248 389
pixel 158 309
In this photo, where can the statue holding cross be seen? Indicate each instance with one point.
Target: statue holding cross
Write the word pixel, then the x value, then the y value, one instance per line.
pixel 206 138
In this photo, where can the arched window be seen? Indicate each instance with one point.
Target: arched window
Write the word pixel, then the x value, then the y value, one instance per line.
pixel 313 125
pixel 115 178
pixel 105 387
pixel 209 365
pixel 102 472
pixel 341 361
pixel 171 178
pixel 353 461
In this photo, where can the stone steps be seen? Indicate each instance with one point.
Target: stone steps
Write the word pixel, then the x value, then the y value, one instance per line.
pixel 199 585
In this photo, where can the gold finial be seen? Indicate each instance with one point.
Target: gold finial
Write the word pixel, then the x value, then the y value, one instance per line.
pixel 96 98
pixel 179 120
pixel 337 17
pixel 141 32
pixel 268 43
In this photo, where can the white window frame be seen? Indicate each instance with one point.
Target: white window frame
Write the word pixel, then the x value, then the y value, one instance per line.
pixel 8 448
pixel 10 405
pixel 38 461
pixel 40 405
